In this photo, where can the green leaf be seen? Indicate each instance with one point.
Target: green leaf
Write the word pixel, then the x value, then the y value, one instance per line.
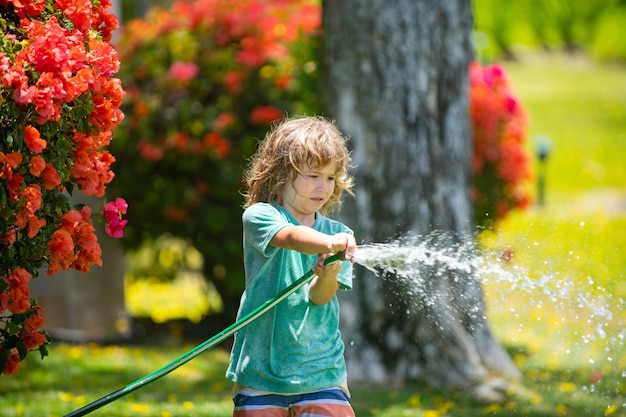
pixel 4 357
pixel 43 350
pixel 23 351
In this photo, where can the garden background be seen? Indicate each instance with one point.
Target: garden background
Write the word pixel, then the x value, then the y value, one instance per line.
pixel 564 326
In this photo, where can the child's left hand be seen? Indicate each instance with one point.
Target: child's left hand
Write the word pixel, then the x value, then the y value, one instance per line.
pixel 326 271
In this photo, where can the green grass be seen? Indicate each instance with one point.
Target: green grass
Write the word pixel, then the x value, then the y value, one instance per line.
pixel 75 375
pixel 558 306
pixel 581 107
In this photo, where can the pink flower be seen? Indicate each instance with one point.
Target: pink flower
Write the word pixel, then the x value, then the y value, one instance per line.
pixel 183 71
pixel 112 214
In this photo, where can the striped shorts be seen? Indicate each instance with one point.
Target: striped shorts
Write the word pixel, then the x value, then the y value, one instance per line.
pixel 325 403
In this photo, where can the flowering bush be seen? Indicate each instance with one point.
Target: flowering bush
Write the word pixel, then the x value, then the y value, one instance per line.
pixel 205 79
pixel 501 164
pixel 59 104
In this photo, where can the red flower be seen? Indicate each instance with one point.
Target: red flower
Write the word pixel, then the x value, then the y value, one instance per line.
pixel 233 81
pixel 213 140
pixel 26 8
pixel 266 114
pixel 150 151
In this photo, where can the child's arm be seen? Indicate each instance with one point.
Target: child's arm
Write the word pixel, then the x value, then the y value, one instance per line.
pixel 325 285
pixel 306 240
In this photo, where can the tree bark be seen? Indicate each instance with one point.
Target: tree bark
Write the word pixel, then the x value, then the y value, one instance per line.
pixel 396 81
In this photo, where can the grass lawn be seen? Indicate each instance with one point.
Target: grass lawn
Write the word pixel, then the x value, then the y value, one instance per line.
pixel 558 305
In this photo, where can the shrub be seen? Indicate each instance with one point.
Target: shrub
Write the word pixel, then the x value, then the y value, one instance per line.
pixel 501 164
pixel 59 103
pixel 205 79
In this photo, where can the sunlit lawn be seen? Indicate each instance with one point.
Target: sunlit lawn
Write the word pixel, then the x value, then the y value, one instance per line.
pixel 558 306
pixel 75 375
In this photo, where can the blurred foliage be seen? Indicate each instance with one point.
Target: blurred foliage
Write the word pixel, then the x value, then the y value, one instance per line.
pixel 594 27
pixel 205 79
pixel 165 281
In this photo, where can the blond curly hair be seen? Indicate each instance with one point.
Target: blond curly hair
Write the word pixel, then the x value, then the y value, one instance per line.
pixel 291 144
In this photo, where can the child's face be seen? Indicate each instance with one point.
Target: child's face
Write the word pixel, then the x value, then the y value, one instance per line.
pixel 309 191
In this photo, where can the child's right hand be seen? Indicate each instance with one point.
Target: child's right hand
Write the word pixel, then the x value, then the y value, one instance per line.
pixel 342 242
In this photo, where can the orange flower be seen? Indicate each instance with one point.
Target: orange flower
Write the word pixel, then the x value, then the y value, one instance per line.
pixel 51 178
pixel 18 277
pixel 91 171
pixel 33 340
pixel 13 363
pixel 12 160
pixel 224 121
pixel 34 199
pixel 19 299
pixel 61 248
pixel 33 140
pixel 35 321
pixel 8 238
pixel 37 165
pixel 34 226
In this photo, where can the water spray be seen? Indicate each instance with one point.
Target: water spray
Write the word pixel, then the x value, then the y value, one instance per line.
pixel 206 345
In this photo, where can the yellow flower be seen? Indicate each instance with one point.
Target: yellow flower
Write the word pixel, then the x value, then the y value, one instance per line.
pixel 140 408
pixel 567 387
pixel 415 401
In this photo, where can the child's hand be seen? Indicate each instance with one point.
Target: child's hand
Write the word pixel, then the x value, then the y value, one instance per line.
pixel 324 271
pixel 342 242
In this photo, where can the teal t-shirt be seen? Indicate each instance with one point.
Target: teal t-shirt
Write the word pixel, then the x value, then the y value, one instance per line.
pixel 296 347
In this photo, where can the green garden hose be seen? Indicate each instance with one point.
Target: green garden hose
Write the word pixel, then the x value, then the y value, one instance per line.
pixel 206 345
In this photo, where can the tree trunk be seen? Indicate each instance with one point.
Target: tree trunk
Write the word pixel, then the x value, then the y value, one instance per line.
pixel 396 79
